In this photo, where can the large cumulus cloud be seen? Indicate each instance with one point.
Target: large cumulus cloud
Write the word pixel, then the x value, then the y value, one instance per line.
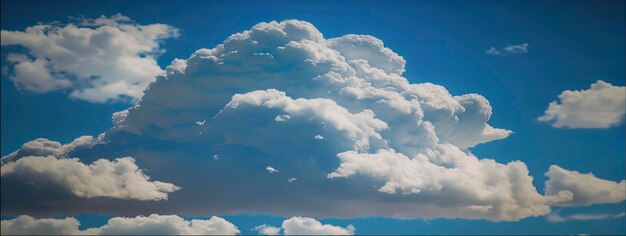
pixel 213 122
pixel 98 60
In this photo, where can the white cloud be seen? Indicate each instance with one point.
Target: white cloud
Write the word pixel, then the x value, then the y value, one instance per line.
pixel 586 189
pixel 267 230
pixel 601 106
pixel 271 170
pixel 98 60
pixel 519 48
pixel 153 224
pixel 493 51
pixel 358 127
pixel 292 179
pixel 509 49
pixel 26 225
pixel 304 226
pixel 282 118
pixel 310 226
pixel 45 147
pixel 557 218
pixel 318 137
pixel 503 192
pixel 43 162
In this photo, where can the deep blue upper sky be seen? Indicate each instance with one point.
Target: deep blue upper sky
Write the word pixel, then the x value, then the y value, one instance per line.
pixel 572 44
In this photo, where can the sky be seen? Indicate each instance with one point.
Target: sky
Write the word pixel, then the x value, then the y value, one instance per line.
pixel 530 98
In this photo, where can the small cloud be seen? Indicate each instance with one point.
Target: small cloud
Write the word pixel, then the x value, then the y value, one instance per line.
pixel 267 230
pixel 215 157
pixel 304 226
pixel 292 179
pixel 271 170
pixel 520 48
pixel 509 49
pixel 201 123
pixel 318 137
pixel 493 51
pixel 282 118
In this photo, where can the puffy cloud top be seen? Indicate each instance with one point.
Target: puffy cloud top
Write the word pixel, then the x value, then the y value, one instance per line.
pixel 98 60
pixel 309 226
pixel 601 106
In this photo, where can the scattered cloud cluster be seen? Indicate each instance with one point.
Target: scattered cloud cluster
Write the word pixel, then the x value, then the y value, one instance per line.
pixel 390 148
pixel 43 162
pixel 97 60
pixel 603 105
pixel 141 225
pixel 586 189
pixel 304 226
pixel 509 49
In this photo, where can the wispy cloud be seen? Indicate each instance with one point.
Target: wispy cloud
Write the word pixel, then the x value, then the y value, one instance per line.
pixel 557 218
pixel 509 49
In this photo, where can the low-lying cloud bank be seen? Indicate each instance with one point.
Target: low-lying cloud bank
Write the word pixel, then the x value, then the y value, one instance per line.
pixel 141 225
pixel 42 162
pixel 264 97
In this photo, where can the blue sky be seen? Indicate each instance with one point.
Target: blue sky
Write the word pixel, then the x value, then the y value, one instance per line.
pixel 572 44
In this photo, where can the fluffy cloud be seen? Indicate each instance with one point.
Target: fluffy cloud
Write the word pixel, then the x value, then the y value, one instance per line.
pixel 153 224
pixel 305 226
pixel 586 189
pixel 98 60
pixel 503 190
pixel 390 148
pixel 601 106
pixel 557 218
pixel 45 147
pixel 44 162
pixel 309 226
pixel 120 178
pixel 267 230
pixel 26 225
